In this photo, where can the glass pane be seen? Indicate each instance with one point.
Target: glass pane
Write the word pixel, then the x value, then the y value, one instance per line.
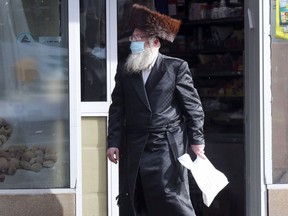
pixel 34 94
pixel 93 50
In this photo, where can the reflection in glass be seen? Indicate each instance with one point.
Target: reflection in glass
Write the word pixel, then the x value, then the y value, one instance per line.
pixel 93 50
pixel 34 94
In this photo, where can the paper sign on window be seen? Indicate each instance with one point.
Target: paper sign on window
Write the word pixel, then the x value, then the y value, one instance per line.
pixel 282 19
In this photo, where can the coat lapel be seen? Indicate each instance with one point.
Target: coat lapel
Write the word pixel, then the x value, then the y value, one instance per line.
pixel 155 76
pixel 140 88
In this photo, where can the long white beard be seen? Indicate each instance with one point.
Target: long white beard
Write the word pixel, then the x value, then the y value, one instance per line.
pixel 137 62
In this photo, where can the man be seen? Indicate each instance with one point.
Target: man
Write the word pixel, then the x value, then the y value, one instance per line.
pixel 158 112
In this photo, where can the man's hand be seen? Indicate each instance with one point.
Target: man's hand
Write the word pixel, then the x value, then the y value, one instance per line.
pixel 199 150
pixel 113 154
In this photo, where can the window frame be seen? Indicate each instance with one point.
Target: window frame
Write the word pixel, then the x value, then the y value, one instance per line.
pixel 270 33
pixel 74 114
pixel 75 102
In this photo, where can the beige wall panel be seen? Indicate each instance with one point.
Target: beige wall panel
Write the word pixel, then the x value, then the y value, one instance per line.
pixel 94 158
pixel 38 205
pixel 277 202
pixel 94 166
pixel 279 110
pixel 95 210
pixel 94 132
pixel 93 183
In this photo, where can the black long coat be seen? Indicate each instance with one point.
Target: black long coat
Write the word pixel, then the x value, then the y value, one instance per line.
pixel 158 118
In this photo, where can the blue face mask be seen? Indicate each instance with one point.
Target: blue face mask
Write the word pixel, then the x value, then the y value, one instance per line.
pixel 137 46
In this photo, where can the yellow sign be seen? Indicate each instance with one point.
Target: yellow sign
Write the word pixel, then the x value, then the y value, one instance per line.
pixel 282 19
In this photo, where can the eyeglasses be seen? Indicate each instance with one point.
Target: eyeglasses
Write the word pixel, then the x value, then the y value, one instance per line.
pixel 137 37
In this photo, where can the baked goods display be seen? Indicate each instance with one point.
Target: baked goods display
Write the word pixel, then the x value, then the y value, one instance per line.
pixel 14 157
pixel 5 131
pixel 21 157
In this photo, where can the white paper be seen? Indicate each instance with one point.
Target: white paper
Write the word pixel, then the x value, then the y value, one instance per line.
pixel 210 180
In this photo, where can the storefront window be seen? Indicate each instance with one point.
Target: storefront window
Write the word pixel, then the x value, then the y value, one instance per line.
pixel 93 50
pixel 34 94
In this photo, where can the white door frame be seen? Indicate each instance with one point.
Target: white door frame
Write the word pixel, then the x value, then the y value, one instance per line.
pixel 112 169
pixel 257 104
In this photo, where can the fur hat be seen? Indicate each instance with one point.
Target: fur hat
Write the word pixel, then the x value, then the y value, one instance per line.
pixel 154 23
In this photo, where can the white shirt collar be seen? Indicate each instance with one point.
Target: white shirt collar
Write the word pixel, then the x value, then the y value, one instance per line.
pixel 146 72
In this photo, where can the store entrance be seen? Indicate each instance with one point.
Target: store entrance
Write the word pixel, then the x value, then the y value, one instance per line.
pixel 211 40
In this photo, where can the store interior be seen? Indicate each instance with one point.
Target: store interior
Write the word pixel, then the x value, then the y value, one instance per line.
pixel 211 40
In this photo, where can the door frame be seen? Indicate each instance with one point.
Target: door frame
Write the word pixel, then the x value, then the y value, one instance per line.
pixel 112 169
pixel 258 138
pixel 257 105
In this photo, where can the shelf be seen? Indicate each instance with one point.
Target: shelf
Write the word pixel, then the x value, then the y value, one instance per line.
pixel 225 98
pixel 218 50
pixel 186 53
pixel 214 50
pixel 233 138
pixel 198 73
pixel 222 21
